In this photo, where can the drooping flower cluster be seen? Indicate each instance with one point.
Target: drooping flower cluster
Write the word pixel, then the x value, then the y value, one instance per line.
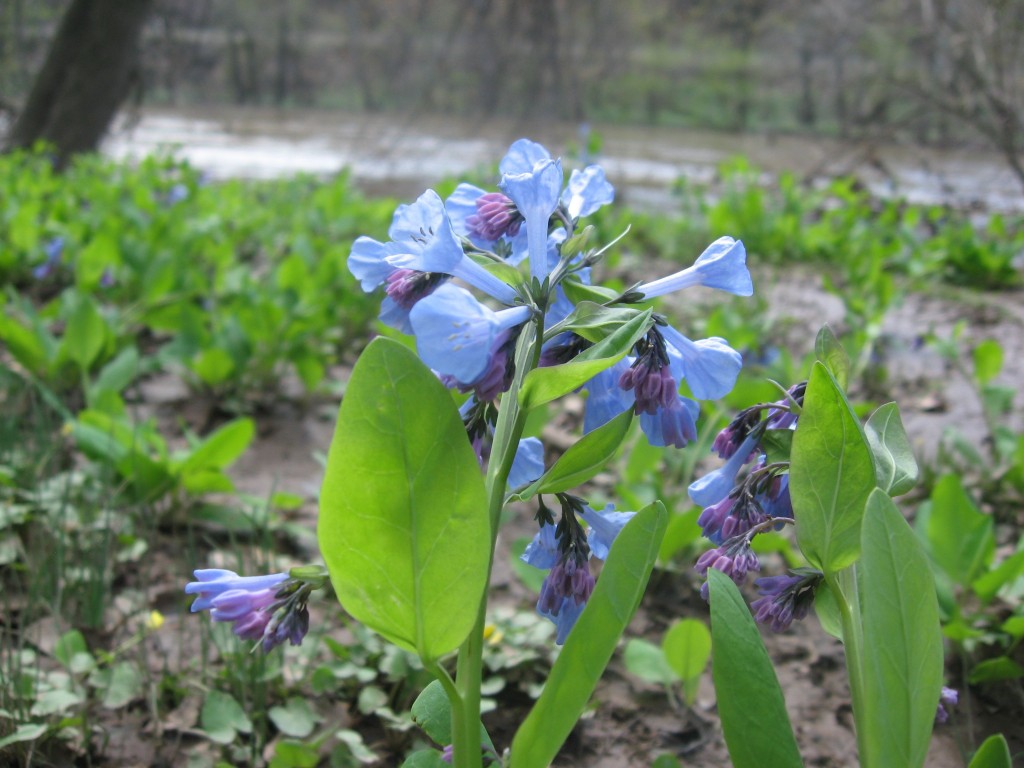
pixel 564 550
pixel 736 510
pixel 268 609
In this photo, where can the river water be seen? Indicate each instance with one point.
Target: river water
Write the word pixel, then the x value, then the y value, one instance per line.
pixel 402 155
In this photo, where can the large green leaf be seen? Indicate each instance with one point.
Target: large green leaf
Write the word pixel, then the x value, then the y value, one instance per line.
pixel 403 513
pixel 895 465
pixel 584 459
pixel 591 642
pixel 960 537
pixel 221 448
pixel 85 335
pixel 750 704
pixel 831 475
pixel 831 353
pixel 902 639
pixel 542 385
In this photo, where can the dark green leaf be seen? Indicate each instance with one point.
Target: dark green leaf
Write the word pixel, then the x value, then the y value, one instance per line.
pixel 592 641
pixel 902 639
pixel 750 703
pixel 895 465
pixel 987 585
pixel 403 512
pixel 424 758
pixel 778 444
pixel 85 335
pixel 828 612
pixel 432 712
pixel 830 477
pixel 999 668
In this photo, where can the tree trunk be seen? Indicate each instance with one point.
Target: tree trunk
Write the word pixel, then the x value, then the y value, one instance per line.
pixel 87 74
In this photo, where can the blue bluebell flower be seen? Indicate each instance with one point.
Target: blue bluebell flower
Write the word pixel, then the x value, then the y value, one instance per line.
pixel 734 558
pixel 722 266
pixel 459 337
pixel 587 191
pixel 211 582
pixel 948 697
pixel 605 526
pixel 534 183
pixel 53 248
pixel 605 398
pixel 528 464
pixel 716 485
pixel 543 551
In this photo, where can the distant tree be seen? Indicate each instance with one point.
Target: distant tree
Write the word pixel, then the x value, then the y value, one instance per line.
pixel 86 76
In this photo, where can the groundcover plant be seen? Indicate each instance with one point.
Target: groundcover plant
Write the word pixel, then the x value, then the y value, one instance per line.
pixel 496 290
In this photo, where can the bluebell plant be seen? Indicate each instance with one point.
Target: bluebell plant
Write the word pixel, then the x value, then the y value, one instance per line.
pixel 496 289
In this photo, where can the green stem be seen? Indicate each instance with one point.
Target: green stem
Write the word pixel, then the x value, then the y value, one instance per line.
pixel 844 588
pixel 469 669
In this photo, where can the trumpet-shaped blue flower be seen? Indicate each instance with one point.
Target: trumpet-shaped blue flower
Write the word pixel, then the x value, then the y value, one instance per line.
pixel 587 191
pixel 674 424
pixel 605 526
pixel 542 552
pixel 605 398
pixel 211 582
pixel 710 366
pixel 723 266
pixel 534 183
pixel 716 485
pixel 528 464
pixel 458 336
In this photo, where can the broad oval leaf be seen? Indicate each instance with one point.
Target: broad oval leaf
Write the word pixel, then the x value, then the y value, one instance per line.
pixel 961 538
pixel 687 646
pixel 831 476
pixel 592 641
pixel 403 522
pixel 895 466
pixel 831 353
pixel 902 638
pixel 750 704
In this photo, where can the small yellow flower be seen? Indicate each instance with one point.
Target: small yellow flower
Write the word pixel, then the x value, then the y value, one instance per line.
pixel 155 621
pixel 492 634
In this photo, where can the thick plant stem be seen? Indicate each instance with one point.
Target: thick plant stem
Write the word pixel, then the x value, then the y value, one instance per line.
pixel 469 671
pixel 844 588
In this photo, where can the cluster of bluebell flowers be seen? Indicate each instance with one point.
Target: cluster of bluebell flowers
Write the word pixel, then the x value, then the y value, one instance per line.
pixel 453 276
pixel 749 495
pixel 269 609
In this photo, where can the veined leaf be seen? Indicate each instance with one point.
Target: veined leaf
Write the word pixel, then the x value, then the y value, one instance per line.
pixel 403 522
pixel 895 465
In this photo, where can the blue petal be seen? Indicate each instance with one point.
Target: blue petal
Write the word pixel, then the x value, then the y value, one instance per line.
pixel 675 425
pixel 394 315
pixel 587 191
pixel 460 206
pixel 716 485
pixel 454 332
pixel 605 526
pixel 605 398
pixel 535 194
pixel 367 262
pixel 528 464
pixel 568 613
pixel 522 156
pixel 710 365
pixel 542 552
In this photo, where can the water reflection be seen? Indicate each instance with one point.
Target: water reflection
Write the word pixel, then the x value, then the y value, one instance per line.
pixel 402 155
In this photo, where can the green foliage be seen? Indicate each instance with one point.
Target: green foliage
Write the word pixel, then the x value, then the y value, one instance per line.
pixel 591 643
pixel 760 734
pixel 681 658
pixel 401 503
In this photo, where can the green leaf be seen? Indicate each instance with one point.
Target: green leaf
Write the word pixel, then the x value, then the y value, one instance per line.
pixel 24 732
pixel 424 758
pixel 221 448
pixel 123 686
pixel 895 466
pixel 666 761
pixel 999 668
pixel 993 753
pixel 222 718
pixel 687 646
pixel 647 661
pixel 25 346
pixel 542 385
pixel 432 712
pixel 830 477
pixel 961 538
pixel 682 531
pixel 828 612
pixel 295 719
pixel 902 638
pixel 595 322
pixel 532 578
pixel 584 459
pixel 750 703
pixel 830 352
pixel 293 754
pixel 988 361
pixel 988 585
pixel 213 366
pixel 85 334
pixel 778 444
pixel 592 641
pixel 403 522
pixel 69 645
pixel 579 292
pixel 118 373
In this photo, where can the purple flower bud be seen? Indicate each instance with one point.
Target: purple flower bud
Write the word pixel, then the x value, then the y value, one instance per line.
pixel 785 598
pixel 496 215
pixel 734 558
pixel 948 697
